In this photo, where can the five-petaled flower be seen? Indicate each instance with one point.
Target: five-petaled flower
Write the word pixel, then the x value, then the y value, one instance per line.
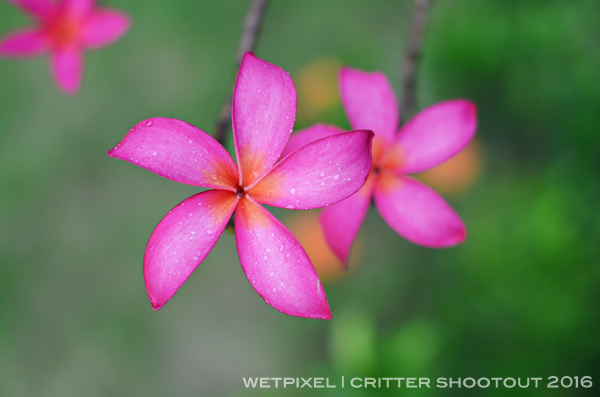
pixel 321 173
pixel 412 209
pixel 65 29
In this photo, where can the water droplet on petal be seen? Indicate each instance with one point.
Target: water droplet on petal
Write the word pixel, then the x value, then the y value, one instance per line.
pixel 154 154
pixel 336 177
pixel 293 190
pixel 149 123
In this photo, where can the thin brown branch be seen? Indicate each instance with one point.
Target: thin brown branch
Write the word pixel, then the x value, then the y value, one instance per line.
pixel 252 25
pixel 412 55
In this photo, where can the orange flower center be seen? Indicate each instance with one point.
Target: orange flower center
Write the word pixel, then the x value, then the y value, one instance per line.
pixel 385 156
pixel 64 31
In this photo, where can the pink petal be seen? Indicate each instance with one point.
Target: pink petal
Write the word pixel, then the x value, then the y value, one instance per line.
pixel 104 27
pixel 182 240
pixel 263 113
pixel 178 151
pixel 24 43
pixel 308 135
pixel 67 66
pixel 369 102
pixel 79 7
pixel 319 174
pixel 341 222
pixel 276 264
pixel 436 134
pixel 417 212
pixel 38 8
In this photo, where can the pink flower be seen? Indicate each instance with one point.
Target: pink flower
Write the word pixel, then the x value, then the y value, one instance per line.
pixel 413 210
pixel 319 174
pixel 64 29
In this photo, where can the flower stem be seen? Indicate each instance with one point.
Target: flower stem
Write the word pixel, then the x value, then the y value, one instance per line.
pixel 412 54
pixel 251 30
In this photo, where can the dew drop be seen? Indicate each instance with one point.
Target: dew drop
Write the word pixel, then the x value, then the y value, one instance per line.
pixel 336 177
pixel 149 123
pixel 208 231
pixel 322 174
pixel 293 190
pixel 154 154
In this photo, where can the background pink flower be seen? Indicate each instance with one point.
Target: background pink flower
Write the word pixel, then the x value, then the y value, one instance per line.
pixel 64 29
pixel 316 175
pixel 412 209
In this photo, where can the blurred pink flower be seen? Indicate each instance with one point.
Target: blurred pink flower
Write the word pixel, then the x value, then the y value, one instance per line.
pixel 412 209
pixel 319 174
pixel 64 29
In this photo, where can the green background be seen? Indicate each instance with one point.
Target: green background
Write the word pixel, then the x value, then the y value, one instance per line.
pixel 519 298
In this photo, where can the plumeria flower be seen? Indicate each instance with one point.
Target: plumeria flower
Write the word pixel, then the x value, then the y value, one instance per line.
pixel 316 175
pixel 64 29
pixel 412 209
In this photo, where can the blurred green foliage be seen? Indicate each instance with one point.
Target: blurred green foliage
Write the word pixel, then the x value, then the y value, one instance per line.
pixel 519 298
